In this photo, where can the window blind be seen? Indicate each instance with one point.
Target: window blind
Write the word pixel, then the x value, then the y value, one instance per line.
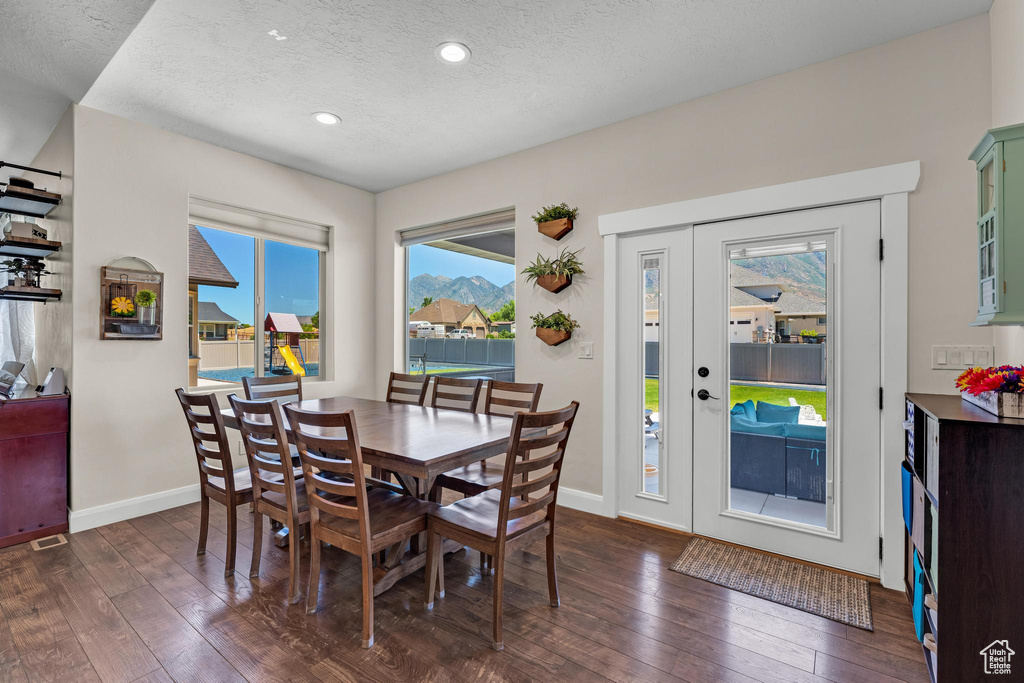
pixel 471 225
pixel 269 226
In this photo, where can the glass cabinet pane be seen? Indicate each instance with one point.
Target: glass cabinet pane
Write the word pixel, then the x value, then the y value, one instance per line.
pixel 988 187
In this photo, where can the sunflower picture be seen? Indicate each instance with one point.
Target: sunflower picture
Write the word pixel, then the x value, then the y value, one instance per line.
pixel 122 307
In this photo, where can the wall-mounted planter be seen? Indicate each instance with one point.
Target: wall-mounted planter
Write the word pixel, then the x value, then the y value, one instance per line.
pixel 556 230
pixel 553 337
pixel 554 283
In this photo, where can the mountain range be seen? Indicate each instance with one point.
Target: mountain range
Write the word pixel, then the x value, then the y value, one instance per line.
pixel 468 290
pixel 803 273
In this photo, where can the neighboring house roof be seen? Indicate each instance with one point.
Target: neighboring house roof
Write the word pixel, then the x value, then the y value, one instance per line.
pixel 794 304
pixel 204 267
pixel 305 319
pixel 739 298
pixel 745 277
pixel 209 312
pixel 446 312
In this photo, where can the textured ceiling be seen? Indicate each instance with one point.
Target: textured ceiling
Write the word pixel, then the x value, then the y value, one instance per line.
pixel 541 70
pixel 51 52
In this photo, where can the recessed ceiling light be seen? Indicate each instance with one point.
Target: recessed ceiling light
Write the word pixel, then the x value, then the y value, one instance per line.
pixel 452 53
pixel 326 118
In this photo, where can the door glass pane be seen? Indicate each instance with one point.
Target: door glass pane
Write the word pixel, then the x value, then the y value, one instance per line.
pixel 291 343
pixel 652 316
pixel 988 187
pixel 226 262
pixel 778 421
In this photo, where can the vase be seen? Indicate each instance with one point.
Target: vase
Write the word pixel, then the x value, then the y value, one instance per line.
pixel 552 337
pixel 147 315
pixel 997 402
pixel 554 283
pixel 556 229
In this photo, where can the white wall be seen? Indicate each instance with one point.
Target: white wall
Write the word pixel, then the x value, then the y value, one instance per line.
pixel 926 97
pixel 1006 20
pixel 131 198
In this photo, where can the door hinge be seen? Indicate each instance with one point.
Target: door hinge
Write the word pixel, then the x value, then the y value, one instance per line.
pixel 1004 165
pixel 881 398
pixel 880 547
pixel 881 249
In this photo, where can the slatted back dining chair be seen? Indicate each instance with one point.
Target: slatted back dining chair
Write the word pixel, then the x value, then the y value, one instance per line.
pixel 452 393
pixel 407 388
pixel 276 492
pixel 217 480
pixel 281 388
pixel 508 398
pixel 492 520
pixel 343 512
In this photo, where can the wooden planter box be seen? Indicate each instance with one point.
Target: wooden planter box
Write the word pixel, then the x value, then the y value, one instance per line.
pixel 552 337
pixel 998 403
pixel 554 283
pixel 556 230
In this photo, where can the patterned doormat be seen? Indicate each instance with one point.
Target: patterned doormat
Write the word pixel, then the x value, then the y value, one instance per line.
pixel 829 594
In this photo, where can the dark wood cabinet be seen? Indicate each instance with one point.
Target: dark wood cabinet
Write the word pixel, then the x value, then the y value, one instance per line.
pixel 964 472
pixel 33 467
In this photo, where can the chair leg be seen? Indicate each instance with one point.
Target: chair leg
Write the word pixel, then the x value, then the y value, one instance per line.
pixel 229 563
pixel 367 601
pixel 552 575
pixel 430 579
pixel 294 544
pixel 314 574
pixel 257 545
pixel 204 524
pixel 497 641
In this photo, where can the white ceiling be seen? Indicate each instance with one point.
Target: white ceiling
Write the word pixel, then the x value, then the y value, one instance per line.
pixel 540 70
pixel 51 52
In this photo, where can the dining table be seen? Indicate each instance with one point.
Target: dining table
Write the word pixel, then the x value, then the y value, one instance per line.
pixel 415 444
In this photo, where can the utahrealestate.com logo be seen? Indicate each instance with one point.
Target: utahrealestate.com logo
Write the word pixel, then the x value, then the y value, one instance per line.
pixel 997 657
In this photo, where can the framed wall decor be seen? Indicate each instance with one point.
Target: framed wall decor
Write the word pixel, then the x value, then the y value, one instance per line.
pixel 131 303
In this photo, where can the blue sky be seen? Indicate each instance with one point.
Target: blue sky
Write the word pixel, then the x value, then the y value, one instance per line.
pixel 434 261
pixel 292 276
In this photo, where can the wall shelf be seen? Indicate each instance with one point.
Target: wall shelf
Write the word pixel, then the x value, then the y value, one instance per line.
pixel 28 246
pixel 14 293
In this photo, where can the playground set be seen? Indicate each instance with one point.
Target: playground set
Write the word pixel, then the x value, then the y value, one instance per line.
pixel 283 355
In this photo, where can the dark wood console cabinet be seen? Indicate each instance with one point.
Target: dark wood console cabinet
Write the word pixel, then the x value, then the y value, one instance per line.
pixel 964 472
pixel 33 467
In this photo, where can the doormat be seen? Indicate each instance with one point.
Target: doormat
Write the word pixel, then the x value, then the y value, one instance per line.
pixel 827 593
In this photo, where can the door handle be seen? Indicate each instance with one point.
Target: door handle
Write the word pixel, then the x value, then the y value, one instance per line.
pixel 704 395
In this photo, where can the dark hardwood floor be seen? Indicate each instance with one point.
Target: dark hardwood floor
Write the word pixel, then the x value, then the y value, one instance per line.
pixel 132 601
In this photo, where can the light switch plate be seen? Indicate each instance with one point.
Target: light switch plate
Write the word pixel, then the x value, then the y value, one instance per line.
pixel 961 357
pixel 587 350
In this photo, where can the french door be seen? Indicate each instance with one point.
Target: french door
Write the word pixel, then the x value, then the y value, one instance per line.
pixel 749 368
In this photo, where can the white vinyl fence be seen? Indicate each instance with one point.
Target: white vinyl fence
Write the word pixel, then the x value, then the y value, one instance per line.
pixel 222 355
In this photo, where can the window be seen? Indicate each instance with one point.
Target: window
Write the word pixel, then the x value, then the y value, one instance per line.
pixel 460 297
pixel 258 297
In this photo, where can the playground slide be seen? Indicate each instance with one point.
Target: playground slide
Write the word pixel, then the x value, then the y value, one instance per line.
pixel 291 361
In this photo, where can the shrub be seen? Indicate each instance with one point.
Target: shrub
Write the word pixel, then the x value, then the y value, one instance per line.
pixel 555 212
pixel 556 321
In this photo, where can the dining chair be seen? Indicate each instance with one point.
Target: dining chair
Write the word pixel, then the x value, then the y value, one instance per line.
pixel 492 520
pixel 452 393
pixel 407 388
pixel 217 480
pixel 344 513
pixel 277 487
pixel 281 388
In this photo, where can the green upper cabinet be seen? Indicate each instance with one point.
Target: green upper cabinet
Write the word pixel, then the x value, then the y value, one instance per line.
pixel 1000 256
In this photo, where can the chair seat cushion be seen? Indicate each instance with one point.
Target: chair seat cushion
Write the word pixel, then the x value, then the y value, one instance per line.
pixel 387 511
pixel 241 479
pixel 479 515
pixel 474 475
pixel 770 412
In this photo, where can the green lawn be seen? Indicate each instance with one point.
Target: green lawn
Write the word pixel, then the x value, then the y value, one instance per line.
pixel 738 394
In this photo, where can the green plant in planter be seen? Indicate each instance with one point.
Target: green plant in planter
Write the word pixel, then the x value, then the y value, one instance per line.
pixel 145 298
pixel 556 321
pixel 808 333
pixel 555 212
pixel 566 263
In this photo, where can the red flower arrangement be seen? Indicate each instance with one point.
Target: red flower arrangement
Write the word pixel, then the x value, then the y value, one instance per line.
pixel 1007 379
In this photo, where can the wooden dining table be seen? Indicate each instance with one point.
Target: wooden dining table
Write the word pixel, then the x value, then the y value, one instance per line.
pixel 415 444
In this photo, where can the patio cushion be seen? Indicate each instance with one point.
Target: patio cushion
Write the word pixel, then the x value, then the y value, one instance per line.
pixel 769 412
pixel 745 426
pixel 745 410
pixel 808 432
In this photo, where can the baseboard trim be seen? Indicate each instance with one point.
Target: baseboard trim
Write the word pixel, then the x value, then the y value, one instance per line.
pixel 101 515
pixel 648 521
pixel 581 500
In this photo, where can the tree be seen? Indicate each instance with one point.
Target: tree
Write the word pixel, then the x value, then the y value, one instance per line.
pixel 506 312
pixel 316 320
pixel 427 300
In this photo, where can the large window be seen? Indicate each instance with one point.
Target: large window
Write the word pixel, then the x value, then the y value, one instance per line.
pixel 460 297
pixel 255 304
